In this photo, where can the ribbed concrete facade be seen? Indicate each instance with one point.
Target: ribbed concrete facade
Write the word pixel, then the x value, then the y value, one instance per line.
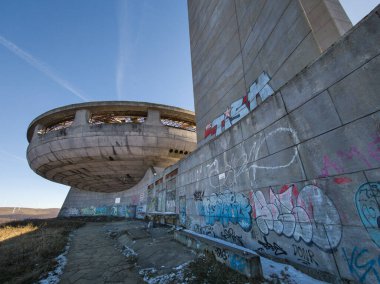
pixel 296 176
pixel 233 43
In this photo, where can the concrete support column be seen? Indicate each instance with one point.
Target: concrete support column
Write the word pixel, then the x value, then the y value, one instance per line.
pixel 36 129
pixel 82 117
pixel 154 117
pixel 327 19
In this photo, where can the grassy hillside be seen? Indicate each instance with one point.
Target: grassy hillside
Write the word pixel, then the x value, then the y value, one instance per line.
pixel 28 248
pixel 8 214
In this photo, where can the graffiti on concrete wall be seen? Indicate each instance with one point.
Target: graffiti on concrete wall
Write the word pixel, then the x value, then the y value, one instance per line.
pixel 152 204
pixel 307 215
pixel 304 255
pixel 232 260
pixel 204 230
pixel 227 207
pixel 198 195
pixel 368 157
pixel 273 247
pixel 170 201
pixel 182 210
pixel 363 266
pixel 141 211
pixel 231 236
pixel 367 201
pixel 71 211
pixel 128 211
pixel 240 108
pixel 238 165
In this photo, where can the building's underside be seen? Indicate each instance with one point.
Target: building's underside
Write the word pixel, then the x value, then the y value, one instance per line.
pixel 108 146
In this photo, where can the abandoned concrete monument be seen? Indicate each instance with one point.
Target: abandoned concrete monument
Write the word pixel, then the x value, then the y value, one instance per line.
pixel 281 157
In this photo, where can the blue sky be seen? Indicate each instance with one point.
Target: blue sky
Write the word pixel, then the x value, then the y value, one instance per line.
pixel 59 52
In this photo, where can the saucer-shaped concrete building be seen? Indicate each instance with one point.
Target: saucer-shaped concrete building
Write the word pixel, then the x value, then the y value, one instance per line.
pixel 287 160
pixel 108 146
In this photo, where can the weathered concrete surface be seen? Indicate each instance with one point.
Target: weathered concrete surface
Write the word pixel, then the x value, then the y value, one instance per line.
pixel 94 257
pixel 233 42
pixel 108 157
pixel 120 252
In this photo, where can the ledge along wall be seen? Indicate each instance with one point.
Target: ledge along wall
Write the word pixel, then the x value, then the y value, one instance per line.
pixel 297 177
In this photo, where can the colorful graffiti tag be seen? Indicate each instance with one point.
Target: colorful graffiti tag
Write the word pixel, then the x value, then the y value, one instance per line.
pixel 141 211
pixel 364 267
pixel 307 214
pixel 227 207
pixel 241 107
pixel 367 200
pixel 128 211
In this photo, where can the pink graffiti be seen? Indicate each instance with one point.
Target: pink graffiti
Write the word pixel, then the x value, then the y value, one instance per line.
pixel 307 214
pixel 342 180
pixel 336 166
pixel 327 164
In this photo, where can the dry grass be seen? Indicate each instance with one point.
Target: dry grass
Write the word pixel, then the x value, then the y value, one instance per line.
pixel 9 232
pixel 28 248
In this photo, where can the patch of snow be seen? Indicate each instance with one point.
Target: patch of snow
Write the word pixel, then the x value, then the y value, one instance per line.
pixel 176 276
pixel 129 253
pixel 182 266
pixel 54 276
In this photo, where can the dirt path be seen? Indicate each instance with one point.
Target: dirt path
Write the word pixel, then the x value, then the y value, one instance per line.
pixel 94 257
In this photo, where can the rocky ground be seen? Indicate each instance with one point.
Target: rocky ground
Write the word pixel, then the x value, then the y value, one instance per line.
pixel 123 252
pixel 136 252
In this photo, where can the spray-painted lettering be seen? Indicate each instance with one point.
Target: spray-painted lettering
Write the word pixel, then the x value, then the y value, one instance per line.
pixel 308 215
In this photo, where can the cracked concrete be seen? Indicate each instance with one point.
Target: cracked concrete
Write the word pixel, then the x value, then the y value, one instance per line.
pixel 94 257
pixel 96 253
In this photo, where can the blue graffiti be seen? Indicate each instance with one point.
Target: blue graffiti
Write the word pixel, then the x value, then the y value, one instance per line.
pixel 363 266
pixel 128 211
pixel 367 200
pixel 237 262
pixel 226 207
pixel 103 210
pixel 232 260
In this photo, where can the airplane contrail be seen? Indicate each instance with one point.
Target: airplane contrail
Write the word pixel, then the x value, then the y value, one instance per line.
pixel 12 155
pixel 40 66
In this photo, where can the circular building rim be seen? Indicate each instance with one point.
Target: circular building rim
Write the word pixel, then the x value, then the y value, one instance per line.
pixel 132 107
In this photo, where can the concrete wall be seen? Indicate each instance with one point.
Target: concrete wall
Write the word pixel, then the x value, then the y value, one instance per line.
pixel 234 42
pixel 297 178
